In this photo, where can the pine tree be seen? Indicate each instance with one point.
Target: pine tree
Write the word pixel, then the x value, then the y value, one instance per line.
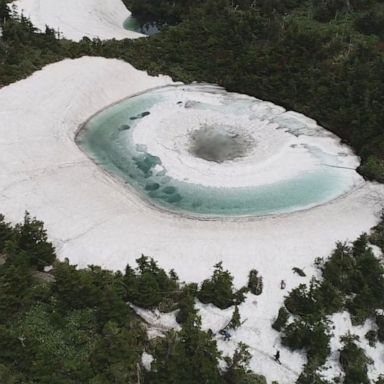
pixel 30 238
pixel 235 320
pixel 236 370
pixel 186 305
pixel 380 325
pixel 281 320
pixel 148 286
pixel 149 293
pixel 117 353
pixel 255 282
pixel 5 13
pixel 130 281
pixel 6 232
pixel 219 289
pixel 189 357
pixel 354 361
pixel 15 288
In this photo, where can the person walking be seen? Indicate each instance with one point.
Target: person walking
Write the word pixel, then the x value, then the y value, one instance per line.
pixel 277 357
pixel 226 334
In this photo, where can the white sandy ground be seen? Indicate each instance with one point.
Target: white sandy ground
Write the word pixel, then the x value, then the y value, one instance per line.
pixel 93 219
pixel 77 18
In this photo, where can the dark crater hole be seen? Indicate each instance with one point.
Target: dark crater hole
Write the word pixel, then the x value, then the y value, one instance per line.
pixel 220 143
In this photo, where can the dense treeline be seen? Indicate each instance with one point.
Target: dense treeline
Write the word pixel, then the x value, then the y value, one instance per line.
pixel 177 10
pixel 73 325
pixel 163 12
pixel 323 58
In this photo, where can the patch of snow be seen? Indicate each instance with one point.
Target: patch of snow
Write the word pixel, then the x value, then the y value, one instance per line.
pixel 256 331
pixel 213 318
pixel 146 360
pixel 48 268
pixel 3 259
pixel 158 322
pixel 75 19
pixel 377 251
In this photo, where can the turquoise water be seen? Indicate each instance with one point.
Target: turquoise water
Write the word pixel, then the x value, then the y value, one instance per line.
pixel 107 139
pixel 132 24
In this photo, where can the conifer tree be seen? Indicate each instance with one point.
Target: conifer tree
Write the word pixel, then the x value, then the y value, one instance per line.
pixel 117 354
pixel 187 304
pixel 30 239
pixel 5 13
pixel 281 320
pixel 354 361
pixel 189 357
pixel 218 290
pixel 236 319
pixel 255 282
pixel 149 285
pixel 236 370
pixel 6 232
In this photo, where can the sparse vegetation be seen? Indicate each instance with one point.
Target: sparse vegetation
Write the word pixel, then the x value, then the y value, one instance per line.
pixel 352 280
pixel 235 321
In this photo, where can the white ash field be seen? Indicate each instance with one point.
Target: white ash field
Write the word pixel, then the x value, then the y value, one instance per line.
pixel 92 218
